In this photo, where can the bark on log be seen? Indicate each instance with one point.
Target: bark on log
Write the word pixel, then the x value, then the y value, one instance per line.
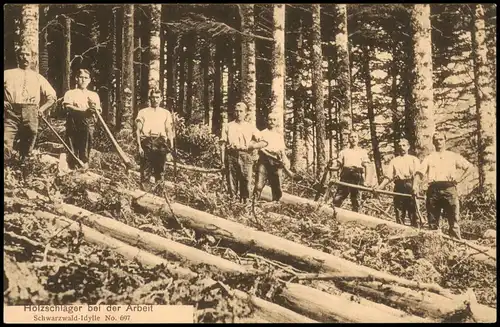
pixel 305 300
pixel 279 248
pixel 264 310
pixel 344 216
pixel 287 251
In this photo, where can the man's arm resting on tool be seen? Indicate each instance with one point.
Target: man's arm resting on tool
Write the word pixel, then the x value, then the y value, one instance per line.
pixel 50 101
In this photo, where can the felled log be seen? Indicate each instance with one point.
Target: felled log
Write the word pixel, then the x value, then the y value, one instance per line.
pixel 342 216
pixel 275 247
pixel 305 300
pixel 264 310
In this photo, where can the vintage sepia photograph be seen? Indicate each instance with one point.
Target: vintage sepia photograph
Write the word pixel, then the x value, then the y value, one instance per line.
pixel 250 163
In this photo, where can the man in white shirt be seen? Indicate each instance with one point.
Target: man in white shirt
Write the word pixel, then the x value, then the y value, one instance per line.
pixel 81 104
pixel 352 162
pixel 272 159
pixel 237 137
pixel 24 90
pixel 402 170
pixel 441 170
pixel 155 137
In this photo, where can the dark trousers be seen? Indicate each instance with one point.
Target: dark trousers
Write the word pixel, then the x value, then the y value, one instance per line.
pixel 155 154
pixel 404 205
pixel 20 124
pixel 239 168
pixel 442 197
pixel 268 170
pixel 80 126
pixel 351 175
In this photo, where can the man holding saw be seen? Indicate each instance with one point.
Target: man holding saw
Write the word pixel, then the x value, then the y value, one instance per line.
pixel 155 137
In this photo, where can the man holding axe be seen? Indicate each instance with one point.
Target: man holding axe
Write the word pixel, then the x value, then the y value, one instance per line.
pixel 24 91
pixel 155 137
pixel 81 105
pixel 402 170
pixel 237 138
pixel 352 162
pixel 272 159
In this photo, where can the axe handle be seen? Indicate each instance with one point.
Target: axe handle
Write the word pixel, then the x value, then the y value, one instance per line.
pixel 121 153
pixel 62 141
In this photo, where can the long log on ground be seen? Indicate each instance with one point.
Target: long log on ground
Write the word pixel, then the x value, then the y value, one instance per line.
pixel 486 254
pixel 287 251
pixel 344 216
pixel 264 310
pixel 305 300
pixel 277 247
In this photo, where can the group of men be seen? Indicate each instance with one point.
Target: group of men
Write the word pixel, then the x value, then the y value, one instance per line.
pixel 245 148
pixel 440 169
pixel 27 96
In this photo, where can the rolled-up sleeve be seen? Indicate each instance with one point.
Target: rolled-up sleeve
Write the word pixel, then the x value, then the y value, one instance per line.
pixel 462 163
pixel 68 98
pixel 47 90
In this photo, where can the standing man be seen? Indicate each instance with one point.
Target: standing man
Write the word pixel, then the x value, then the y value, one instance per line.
pixel 402 171
pixel 237 138
pixel 81 105
pixel 352 162
pixel 441 170
pixel 272 159
pixel 24 91
pixel 155 137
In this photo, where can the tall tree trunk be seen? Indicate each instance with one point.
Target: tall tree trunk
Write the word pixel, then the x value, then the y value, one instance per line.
pixel 163 62
pixel 217 111
pixel 249 83
pixel 67 55
pixel 94 54
pixel 29 31
pixel 190 52
pixel 423 106
pixel 278 64
pixel 298 161
pixel 207 82
pixel 106 35
pixel 344 73
pixel 182 75
pixel 154 46
pixel 396 116
pixel 371 114
pixel 171 71
pixel 127 87
pixel 44 51
pixel 317 89
pixel 232 78
pixel 113 115
pixel 485 106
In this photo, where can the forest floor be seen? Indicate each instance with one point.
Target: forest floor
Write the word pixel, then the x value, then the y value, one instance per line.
pixel 47 265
